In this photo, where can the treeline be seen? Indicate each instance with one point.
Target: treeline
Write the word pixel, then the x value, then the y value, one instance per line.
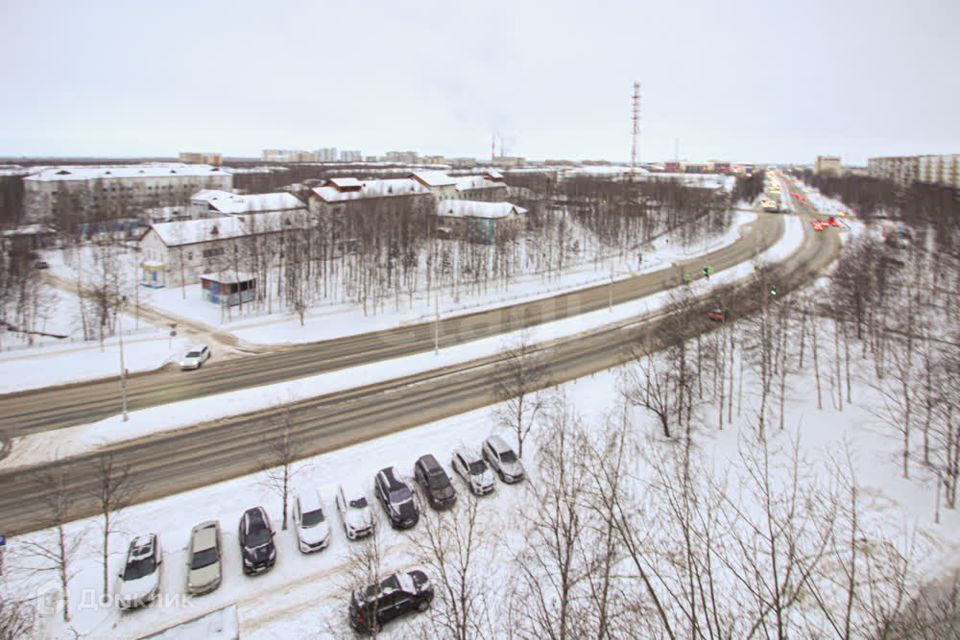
pixel 921 206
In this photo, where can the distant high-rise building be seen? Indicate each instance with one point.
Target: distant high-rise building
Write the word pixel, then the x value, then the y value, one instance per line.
pixel 195 157
pixel 326 154
pixel 902 170
pixel 828 165
pixel 402 157
pixel 350 156
pixel 287 155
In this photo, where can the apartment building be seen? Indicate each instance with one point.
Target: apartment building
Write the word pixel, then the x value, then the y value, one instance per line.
pixel 348 155
pixel 828 166
pixel 902 170
pixel 488 187
pixel 195 157
pixel 210 202
pixel 345 195
pixel 67 195
pixel 442 186
pixel 483 222
pixel 941 170
pixel 178 253
pixel 402 157
pixel 286 155
pixel 326 154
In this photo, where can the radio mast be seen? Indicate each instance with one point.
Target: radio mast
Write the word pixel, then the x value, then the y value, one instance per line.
pixel 636 127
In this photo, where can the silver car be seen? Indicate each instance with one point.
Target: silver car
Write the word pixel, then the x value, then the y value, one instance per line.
pixel 504 461
pixel 204 558
pixel 195 357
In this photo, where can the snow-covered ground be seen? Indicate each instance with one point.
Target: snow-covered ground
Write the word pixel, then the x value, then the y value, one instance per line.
pixel 336 320
pixel 53 361
pixel 307 595
pixel 37 448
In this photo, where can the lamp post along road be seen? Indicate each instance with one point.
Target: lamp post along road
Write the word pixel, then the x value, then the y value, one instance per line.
pixel 123 368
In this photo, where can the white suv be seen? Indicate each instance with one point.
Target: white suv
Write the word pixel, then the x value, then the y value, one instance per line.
pixel 355 513
pixel 140 578
pixel 504 461
pixel 474 471
pixel 313 530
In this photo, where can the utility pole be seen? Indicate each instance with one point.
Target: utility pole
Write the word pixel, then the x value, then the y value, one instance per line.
pixel 123 368
pixel 610 300
pixel 436 326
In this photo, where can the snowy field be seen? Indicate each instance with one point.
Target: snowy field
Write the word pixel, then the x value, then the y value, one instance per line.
pixel 37 448
pixel 52 361
pixel 306 595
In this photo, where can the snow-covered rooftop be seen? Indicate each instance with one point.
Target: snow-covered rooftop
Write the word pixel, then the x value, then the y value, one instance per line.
pixel 372 189
pixel 103 172
pixel 28 230
pixel 345 183
pixel 476 209
pixel 226 202
pixel 184 232
pixel 467 183
pixel 434 178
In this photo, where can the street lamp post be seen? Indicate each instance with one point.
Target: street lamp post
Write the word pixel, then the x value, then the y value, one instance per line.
pixel 610 298
pixel 123 368
pixel 436 326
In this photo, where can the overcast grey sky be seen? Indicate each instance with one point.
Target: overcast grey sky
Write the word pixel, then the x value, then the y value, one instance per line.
pixel 763 81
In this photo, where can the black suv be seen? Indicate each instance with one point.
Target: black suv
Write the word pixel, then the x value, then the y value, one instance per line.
pixel 256 541
pixel 435 482
pixel 396 498
pixel 377 604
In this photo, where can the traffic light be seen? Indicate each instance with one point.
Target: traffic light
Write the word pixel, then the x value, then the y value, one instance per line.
pixel 773 291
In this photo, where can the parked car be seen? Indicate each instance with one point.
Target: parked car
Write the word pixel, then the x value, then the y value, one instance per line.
pixel 140 578
pixel 377 604
pixel 313 530
pixel 718 314
pixel 396 498
pixel 256 541
pixel 205 558
pixel 41 264
pixel 435 482
pixel 502 459
pixel 474 471
pixel 195 357
pixel 355 513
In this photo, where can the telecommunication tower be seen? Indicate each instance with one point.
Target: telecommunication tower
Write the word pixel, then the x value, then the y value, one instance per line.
pixel 636 127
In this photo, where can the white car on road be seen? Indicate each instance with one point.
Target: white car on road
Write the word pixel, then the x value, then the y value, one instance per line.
pixel 195 357
pixel 355 513
pixel 140 578
pixel 313 530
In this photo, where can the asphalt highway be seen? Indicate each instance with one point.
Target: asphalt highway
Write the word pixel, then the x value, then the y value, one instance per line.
pixel 82 403
pixel 168 463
